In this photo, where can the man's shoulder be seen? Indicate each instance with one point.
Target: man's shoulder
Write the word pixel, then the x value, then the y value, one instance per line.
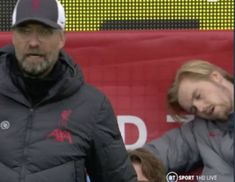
pixel 92 92
pixel 196 124
pixel 200 125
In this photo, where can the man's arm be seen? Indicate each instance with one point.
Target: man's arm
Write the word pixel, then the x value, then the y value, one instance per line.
pixel 109 161
pixel 177 149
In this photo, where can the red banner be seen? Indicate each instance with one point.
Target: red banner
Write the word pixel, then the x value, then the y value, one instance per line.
pixel 135 69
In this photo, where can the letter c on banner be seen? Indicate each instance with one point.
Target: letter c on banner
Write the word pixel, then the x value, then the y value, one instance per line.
pixel 139 123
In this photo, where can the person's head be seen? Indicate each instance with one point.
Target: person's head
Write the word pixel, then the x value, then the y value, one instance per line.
pixel 203 89
pixel 148 168
pixel 38 35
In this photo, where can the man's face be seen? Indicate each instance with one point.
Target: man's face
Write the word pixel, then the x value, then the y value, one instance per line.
pixel 37 47
pixel 209 99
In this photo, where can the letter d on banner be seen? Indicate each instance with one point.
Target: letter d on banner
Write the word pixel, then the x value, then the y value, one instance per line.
pixel 139 123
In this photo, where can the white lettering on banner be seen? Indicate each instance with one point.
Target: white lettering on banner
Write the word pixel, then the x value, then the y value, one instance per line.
pixel 139 123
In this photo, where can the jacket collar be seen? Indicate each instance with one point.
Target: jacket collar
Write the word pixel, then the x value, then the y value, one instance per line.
pixel 67 86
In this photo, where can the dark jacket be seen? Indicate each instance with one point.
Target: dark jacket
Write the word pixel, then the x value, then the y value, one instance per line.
pixel 72 131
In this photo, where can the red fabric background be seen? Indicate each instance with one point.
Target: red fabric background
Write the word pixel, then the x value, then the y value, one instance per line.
pixel 135 68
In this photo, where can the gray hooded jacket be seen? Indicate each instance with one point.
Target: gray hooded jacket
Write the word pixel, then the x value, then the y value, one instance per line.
pixel 199 141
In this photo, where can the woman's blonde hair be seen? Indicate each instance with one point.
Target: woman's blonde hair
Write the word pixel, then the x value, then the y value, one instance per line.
pixel 194 69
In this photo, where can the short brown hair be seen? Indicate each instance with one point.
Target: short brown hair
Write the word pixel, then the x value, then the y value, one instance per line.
pixel 151 167
pixel 194 69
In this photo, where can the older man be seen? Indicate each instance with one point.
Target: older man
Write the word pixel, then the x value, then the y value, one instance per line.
pixel 53 126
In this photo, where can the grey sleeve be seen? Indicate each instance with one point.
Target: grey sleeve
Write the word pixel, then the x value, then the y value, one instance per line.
pixel 110 161
pixel 177 148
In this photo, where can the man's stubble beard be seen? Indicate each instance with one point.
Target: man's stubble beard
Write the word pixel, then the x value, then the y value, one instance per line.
pixel 36 70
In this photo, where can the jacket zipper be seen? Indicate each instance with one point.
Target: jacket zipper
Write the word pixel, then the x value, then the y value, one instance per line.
pixel 26 143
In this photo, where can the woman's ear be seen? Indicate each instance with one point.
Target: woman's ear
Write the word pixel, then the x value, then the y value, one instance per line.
pixel 216 77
